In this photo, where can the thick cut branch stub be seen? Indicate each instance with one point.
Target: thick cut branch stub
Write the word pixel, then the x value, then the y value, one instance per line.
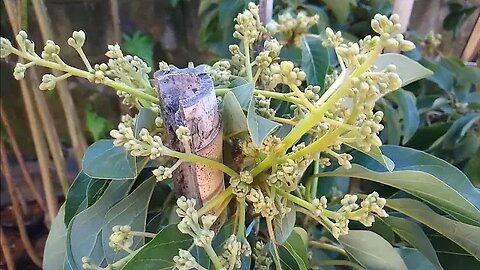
pixel 187 98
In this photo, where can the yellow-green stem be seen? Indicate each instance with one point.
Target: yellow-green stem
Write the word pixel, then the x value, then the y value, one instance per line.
pixel 201 160
pixel 302 97
pixel 215 201
pixel 325 246
pixel 241 220
pixel 213 257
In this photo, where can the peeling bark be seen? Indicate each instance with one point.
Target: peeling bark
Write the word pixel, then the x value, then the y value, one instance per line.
pixel 187 98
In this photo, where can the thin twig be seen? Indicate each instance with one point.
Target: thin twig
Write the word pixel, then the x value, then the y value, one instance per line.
pixel 21 161
pixel 35 128
pixel 16 207
pixel 6 251
pixel 79 143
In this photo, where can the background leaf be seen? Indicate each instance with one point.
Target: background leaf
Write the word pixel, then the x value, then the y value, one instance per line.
pixel 131 210
pixel 414 235
pixel 84 234
pixel 408 69
pixel 76 200
pixel 105 161
pixel 293 253
pixel 159 252
pixel 466 236
pixel 55 246
pixel 234 119
pixel 414 259
pixel 145 119
pixel 371 251
pixel 314 60
pixel 259 127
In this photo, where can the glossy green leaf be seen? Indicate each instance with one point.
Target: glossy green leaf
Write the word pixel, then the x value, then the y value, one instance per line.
pixel 293 253
pixel 371 251
pixel 314 60
pixel 76 200
pixel 441 75
pixel 132 211
pixel 105 161
pixel 283 224
pixel 243 93
pixel 408 109
pixel 392 121
pixel 55 246
pixel 424 176
pixel 95 189
pixel 376 154
pixel 464 235
pixel 84 234
pixel 259 127
pixel 234 119
pixel 159 252
pixel 407 69
pixel 145 119
pixel 458 130
pixel 413 234
pixel 414 259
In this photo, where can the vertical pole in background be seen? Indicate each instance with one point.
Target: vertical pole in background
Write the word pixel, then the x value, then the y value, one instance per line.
pixel 404 9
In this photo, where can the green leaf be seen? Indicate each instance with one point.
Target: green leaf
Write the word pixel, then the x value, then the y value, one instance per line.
pixel 283 224
pixel 145 119
pixel 414 235
pixel 441 75
pixel 458 130
pixel 392 120
pixel 314 60
pixel 424 176
pixel 464 235
pixel 54 252
pixel 131 210
pixel 259 127
pixel 243 93
pixel 415 260
pixel 159 252
pixel 407 107
pixel 77 196
pixel 408 69
pixel 140 45
pixel 234 120
pixel 371 251
pixel 340 9
pixel 376 154
pixel 84 234
pixel 95 189
pixel 293 253
pixel 97 125
pixel 105 161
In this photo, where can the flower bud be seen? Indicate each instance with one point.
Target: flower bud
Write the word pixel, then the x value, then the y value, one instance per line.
pixel 5 47
pixel 48 82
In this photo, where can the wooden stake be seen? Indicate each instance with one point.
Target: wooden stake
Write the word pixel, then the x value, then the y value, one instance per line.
pixel 187 98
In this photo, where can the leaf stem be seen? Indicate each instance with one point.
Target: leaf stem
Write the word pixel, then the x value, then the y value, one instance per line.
pixel 201 160
pixel 241 220
pixel 213 257
pixel 330 247
pixel 215 201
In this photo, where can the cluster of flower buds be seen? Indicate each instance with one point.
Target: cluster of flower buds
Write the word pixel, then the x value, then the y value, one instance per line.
pixel 350 210
pixel 368 128
pixel 431 43
pixel 201 233
pixel 220 72
pixel 389 30
pixel 233 250
pixel 292 28
pixel 241 185
pixel 162 65
pixel 343 159
pixel 264 62
pixel 238 60
pixel 184 135
pixel 121 238
pixel 77 40
pixel 263 205
pixel 269 145
pixel 185 261
pixel 130 70
pixel 163 173
pixel 261 256
pixel 48 82
pixel 287 73
pixel 146 145
pixel 248 26
pixel 50 51
pixel 5 47
pixel 262 106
